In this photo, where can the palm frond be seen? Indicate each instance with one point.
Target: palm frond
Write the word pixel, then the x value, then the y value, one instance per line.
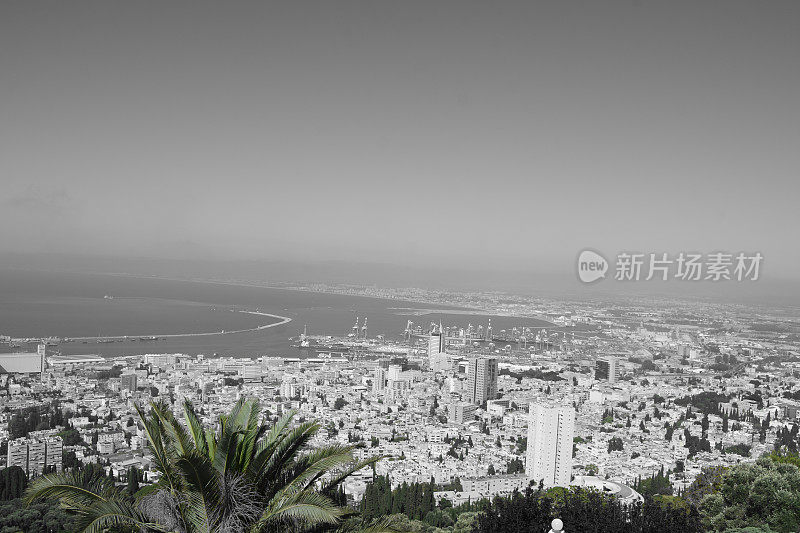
pixel 103 516
pixel 202 489
pixel 225 450
pixel 177 439
pixel 212 443
pixel 285 452
pixel 312 466
pixel 195 427
pixel 386 524
pixel 155 442
pixel 149 490
pixel 74 489
pixel 337 479
pixel 242 475
pixel 275 434
pixel 308 508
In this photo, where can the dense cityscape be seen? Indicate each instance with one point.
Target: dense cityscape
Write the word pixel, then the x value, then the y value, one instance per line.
pixel 399 266
pixel 630 400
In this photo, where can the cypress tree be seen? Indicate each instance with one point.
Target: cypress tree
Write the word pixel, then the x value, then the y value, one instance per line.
pixel 133 480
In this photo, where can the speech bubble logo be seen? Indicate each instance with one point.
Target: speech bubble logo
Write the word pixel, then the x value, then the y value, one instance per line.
pixel 591 266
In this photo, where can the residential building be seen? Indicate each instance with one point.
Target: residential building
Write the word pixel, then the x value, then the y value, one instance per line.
pixel 36 456
pixel 550 434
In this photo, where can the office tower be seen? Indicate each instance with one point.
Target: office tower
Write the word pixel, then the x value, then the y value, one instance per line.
pixel 438 360
pixel 481 380
pixel 128 382
pixel 606 369
pixel 435 344
pixel 549 455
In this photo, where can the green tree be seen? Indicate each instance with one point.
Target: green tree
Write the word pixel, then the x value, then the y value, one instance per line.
pixel 585 510
pixel 754 495
pixel 71 437
pixel 133 480
pixel 245 476
pixel 465 523
pixel 515 466
pixel 12 483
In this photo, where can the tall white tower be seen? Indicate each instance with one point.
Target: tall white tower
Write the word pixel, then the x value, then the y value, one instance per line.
pixel 379 380
pixel 549 455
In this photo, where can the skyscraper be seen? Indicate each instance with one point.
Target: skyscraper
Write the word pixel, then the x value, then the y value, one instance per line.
pixel 379 380
pixel 436 343
pixel 549 455
pixel 606 369
pixel 481 380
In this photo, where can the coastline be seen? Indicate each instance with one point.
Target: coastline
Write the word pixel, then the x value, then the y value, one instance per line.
pixel 456 309
pixel 281 321
pixel 252 285
pixel 397 306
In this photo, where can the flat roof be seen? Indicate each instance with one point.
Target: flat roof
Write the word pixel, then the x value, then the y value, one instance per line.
pixel 20 363
pixel 74 359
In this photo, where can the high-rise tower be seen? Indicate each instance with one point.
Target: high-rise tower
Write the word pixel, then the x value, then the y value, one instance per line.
pixel 481 380
pixel 549 455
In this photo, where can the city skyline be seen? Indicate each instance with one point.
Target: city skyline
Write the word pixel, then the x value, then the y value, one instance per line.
pixel 440 267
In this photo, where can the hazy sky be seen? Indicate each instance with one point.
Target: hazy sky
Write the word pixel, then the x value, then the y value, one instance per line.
pixel 493 134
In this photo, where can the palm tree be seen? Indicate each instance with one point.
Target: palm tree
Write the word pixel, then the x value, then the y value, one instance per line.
pixel 243 477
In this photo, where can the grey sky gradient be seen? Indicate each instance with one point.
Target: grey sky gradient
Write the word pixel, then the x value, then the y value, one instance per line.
pixel 490 134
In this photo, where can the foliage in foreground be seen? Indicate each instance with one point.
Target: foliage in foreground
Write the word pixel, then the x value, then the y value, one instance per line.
pixel 587 511
pixel 41 517
pixel 243 476
pixel 412 507
pixel 763 496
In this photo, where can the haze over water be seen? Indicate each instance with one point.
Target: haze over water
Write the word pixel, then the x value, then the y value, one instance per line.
pixel 39 304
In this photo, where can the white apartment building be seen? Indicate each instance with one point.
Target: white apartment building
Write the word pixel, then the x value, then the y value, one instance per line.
pixel 549 455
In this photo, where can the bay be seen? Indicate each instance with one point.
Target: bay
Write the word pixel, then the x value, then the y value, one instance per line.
pixel 70 304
